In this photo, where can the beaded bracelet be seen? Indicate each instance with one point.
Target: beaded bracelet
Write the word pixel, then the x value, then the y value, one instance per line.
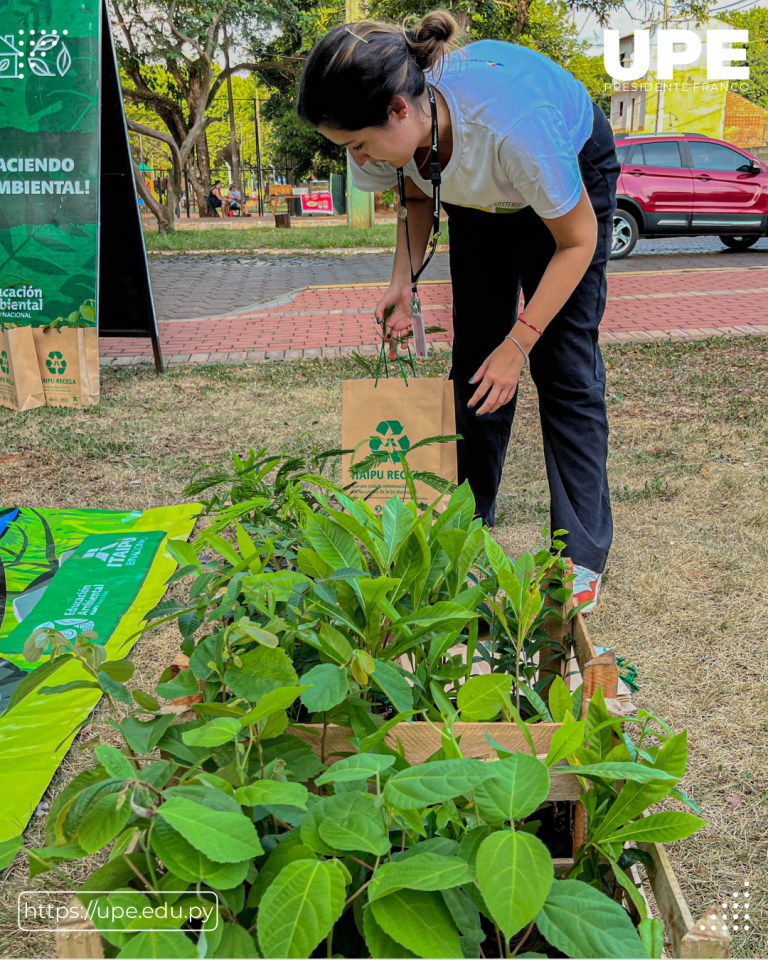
pixel 521 320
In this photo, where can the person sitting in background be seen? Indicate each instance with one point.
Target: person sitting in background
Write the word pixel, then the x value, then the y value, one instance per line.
pixel 236 202
pixel 215 199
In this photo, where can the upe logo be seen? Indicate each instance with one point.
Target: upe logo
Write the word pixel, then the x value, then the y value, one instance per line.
pixel 4 365
pixel 113 554
pixel 717 54
pixel 389 438
pixel 56 363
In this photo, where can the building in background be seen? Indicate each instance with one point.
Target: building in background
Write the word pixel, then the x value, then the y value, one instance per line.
pixel 689 103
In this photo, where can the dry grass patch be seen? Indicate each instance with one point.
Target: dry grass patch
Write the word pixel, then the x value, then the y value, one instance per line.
pixel 683 596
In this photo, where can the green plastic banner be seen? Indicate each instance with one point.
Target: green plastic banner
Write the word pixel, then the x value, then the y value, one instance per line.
pixel 70 570
pixel 49 158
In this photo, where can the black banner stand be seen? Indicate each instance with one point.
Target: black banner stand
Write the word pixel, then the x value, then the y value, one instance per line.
pixel 125 304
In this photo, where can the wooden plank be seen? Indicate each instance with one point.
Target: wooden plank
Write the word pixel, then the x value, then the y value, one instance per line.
pixel 76 937
pixel 553 657
pixel 686 938
pixel 702 942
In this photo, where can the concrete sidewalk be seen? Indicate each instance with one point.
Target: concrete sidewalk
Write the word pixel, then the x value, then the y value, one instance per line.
pixel 322 321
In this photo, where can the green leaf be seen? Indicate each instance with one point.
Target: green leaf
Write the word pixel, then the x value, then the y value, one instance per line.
pixel 420 921
pixel 182 859
pixel 358 767
pixel 564 741
pixel 482 698
pixel 271 702
pixel 428 871
pixel 222 836
pixel 332 543
pixel 581 921
pixel 326 686
pixel 102 823
pixel 34 678
pixel 9 849
pixel 213 733
pixel 392 683
pixel 535 701
pixel 560 700
pixel 664 827
pixel 334 644
pixel 367 743
pixel 236 943
pixel 244 630
pixel 635 797
pixel 184 684
pixel 435 782
pixel 520 784
pixel 396 522
pixel 651 933
pixel 287 851
pixel 636 772
pixel 301 762
pixel 120 670
pixel 515 873
pixel 381 945
pixel 300 908
pixel 263 670
pixel 115 763
pixel 351 821
pixel 168 944
pixel 145 700
pixel 144 736
pixel 266 793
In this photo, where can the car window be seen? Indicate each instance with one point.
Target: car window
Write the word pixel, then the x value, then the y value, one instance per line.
pixel 714 156
pixel 621 153
pixel 663 153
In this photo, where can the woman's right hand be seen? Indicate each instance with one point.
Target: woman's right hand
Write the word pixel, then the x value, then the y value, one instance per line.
pixel 399 320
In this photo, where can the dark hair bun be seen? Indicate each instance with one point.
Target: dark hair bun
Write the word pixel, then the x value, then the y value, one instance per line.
pixel 431 38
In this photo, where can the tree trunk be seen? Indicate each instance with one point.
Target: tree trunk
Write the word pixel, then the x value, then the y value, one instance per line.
pixel 198 188
pixel 204 172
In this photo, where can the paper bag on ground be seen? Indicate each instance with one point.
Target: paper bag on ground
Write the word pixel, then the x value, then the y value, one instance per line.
pixel 68 359
pixel 392 417
pixel 20 384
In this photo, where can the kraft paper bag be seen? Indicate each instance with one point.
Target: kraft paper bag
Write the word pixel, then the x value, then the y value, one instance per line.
pixel 68 359
pixel 390 417
pixel 20 385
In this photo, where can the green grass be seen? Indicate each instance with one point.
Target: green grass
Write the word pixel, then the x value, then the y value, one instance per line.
pixel 268 238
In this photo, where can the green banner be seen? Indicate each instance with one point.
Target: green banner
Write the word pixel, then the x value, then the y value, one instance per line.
pixel 73 570
pixel 49 158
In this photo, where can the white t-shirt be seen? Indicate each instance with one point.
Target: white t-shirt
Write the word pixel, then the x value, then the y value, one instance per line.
pixel 519 122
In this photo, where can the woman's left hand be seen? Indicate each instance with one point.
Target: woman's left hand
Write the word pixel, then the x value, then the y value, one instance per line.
pixel 500 374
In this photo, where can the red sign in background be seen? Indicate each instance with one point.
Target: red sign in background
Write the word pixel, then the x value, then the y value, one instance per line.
pixel 316 203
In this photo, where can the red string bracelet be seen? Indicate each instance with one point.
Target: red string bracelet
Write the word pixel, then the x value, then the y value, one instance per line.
pixel 525 322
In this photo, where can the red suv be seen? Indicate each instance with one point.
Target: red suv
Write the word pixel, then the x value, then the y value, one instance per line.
pixel 686 184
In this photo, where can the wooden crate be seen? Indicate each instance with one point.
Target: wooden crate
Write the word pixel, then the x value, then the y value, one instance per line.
pixel 687 939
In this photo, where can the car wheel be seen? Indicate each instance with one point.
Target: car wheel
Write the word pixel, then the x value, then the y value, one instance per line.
pixel 624 235
pixel 739 243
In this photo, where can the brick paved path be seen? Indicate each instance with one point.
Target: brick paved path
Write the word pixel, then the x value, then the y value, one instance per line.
pixel 329 320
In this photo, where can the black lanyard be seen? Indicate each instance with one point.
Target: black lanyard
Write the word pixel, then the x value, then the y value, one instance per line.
pixel 436 179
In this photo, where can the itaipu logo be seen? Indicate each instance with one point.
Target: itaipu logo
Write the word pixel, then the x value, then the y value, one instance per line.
pixel 389 438
pixel 113 554
pixel 43 52
pixel 5 367
pixel 56 363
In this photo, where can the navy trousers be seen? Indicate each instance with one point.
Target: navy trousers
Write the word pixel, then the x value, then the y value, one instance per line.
pixel 493 256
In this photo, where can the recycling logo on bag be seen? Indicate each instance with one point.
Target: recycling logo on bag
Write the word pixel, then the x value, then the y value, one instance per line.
pixel 56 363
pixel 389 438
pixel 4 365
